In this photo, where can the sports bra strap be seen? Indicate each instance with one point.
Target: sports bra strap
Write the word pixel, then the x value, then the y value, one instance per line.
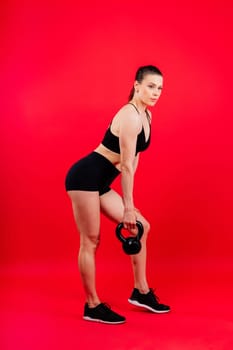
pixel 134 107
pixel 148 116
pixel 147 113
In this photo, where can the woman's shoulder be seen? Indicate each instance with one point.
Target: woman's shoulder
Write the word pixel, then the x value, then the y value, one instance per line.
pixel 126 115
pixel 129 110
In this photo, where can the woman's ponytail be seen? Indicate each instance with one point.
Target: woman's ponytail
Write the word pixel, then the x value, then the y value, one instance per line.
pixel 131 95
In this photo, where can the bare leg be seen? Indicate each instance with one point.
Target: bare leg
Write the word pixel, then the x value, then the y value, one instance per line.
pixel 112 206
pixel 86 210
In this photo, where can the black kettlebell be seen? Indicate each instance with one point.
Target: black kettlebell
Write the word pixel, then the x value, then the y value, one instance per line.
pixel 130 245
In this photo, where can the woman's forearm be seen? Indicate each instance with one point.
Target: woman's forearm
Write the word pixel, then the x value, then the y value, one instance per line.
pixel 127 182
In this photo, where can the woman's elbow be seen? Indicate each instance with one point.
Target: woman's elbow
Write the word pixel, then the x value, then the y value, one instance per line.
pixel 127 168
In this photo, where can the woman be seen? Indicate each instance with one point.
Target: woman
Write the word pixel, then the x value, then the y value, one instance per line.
pixel 87 184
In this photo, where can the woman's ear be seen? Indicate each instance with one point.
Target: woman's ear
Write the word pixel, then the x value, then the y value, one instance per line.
pixel 136 86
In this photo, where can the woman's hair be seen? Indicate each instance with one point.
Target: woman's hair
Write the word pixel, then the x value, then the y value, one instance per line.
pixel 140 75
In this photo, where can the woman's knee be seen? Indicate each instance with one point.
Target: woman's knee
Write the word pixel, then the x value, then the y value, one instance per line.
pixel 90 241
pixel 145 223
pixel 146 227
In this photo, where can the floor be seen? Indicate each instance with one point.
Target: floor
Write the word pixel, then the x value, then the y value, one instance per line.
pixel 42 305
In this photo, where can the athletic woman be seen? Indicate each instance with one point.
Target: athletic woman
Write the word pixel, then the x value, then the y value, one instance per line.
pixel 88 186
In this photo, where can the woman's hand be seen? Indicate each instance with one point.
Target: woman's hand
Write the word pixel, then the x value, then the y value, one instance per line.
pixel 129 221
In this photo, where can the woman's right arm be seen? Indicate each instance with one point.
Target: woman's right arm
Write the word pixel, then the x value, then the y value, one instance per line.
pixel 130 126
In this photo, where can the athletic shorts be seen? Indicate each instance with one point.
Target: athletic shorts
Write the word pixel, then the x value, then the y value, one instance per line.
pixel 91 173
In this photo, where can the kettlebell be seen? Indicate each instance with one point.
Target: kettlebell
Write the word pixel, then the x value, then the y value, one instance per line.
pixel 130 245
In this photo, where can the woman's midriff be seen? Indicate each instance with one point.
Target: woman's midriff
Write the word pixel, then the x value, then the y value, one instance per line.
pixel 113 157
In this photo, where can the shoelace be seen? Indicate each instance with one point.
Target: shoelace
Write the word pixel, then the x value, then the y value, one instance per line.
pixel 106 306
pixel 154 295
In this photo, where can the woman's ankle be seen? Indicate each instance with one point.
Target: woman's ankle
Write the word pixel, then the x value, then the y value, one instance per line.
pixel 93 302
pixel 143 288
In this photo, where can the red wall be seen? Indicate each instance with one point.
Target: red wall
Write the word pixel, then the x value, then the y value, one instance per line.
pixel 66 67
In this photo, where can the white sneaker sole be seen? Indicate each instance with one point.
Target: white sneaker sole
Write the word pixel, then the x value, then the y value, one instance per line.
pixel 86 318
pixel 136 303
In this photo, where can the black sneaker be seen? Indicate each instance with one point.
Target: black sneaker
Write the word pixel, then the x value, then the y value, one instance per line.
pixel 102 313
pixel 149 301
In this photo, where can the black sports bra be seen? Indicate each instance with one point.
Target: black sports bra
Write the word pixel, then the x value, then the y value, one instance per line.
pixel 111 141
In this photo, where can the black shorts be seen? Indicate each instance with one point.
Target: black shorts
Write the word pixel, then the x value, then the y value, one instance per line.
pixel 91 173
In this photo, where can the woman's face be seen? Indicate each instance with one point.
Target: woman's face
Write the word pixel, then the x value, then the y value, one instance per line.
pixel 149 90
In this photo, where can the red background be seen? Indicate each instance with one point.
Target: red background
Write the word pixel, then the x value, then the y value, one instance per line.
pixel 66 68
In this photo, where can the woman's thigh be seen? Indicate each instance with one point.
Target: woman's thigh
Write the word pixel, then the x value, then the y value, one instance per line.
pixel 86 210
pixel 111 205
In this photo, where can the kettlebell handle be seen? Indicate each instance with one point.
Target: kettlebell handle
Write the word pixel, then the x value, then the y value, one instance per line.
pixel 120 226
